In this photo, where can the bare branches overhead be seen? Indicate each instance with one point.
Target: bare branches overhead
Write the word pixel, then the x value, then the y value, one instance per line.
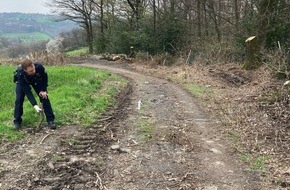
pixel 75 10
pixel 79 11
pixel 163 24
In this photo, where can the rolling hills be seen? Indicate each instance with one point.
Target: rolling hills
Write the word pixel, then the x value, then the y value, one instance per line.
pixel 27 27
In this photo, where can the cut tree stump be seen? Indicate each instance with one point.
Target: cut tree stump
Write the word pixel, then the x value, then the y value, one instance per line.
pixel 252 60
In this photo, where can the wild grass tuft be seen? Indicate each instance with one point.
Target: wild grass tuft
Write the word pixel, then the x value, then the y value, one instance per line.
pixel 196 90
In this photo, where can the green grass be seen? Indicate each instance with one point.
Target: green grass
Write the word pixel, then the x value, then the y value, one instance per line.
pixel 78 96
pixel 196 90
pixel 82 51
pixel 255 162
pixel 259 163
pixel 145 130
pixel 144 126
pixel 27 37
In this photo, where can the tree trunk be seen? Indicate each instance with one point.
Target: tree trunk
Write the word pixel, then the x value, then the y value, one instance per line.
pixel 214 17
pixel 154 27
pixel 138 14
pixel 237 13
pixel 136 8
pixel 89 32
pixel 199 18
pixel 266 10
pixel 252 53
pixel 102 16
pixel 205 19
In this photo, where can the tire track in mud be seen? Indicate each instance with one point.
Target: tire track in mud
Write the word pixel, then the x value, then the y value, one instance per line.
pixel 76 161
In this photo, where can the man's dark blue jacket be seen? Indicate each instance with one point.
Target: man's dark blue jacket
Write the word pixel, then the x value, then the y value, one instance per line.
pixel 39 81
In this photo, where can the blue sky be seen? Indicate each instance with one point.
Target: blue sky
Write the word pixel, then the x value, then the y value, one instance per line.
pixel 24 6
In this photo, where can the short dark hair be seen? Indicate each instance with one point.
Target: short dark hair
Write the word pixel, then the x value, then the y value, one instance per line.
pixel 26 63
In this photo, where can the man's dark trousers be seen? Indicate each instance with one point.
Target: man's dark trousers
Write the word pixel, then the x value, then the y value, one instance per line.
pixel 18 111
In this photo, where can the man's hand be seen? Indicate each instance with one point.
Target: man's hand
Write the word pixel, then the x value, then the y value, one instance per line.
pixel 37 108
pixel 43 94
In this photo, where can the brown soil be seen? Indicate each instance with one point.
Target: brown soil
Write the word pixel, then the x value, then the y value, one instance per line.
pixel 158 137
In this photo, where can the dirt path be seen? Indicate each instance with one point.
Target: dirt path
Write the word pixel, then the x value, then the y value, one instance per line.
pixel 159 138
pixel 185 150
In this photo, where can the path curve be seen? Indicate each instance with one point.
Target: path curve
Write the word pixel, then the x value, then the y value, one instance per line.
pixel 186 150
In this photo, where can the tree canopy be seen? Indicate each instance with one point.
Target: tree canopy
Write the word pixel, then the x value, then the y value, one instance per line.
pixel 176 25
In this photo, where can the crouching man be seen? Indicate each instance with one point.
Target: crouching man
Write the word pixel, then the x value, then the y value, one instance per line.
pixel 33 75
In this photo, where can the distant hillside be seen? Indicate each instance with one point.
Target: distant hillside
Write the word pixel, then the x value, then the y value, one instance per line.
pixel 32 27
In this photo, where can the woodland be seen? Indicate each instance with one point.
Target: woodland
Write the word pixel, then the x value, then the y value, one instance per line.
pixel 215 30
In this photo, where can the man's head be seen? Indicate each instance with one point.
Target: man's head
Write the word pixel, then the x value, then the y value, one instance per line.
pixel 28 66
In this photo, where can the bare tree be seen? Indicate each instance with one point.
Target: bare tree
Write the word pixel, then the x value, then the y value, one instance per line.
pixel 214 16
pixel 79 11
pixel 137 8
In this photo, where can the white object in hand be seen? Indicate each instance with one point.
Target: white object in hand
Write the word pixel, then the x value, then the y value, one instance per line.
pixel 37 108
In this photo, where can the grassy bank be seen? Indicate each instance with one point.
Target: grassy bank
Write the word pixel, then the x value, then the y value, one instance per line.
pixel 78 96
pixel 81 51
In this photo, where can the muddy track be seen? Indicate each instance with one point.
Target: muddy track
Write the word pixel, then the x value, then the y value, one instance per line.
pixel 157 138
pixel 185 150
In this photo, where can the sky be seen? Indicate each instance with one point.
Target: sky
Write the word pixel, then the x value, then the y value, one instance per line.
pixel 24 6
